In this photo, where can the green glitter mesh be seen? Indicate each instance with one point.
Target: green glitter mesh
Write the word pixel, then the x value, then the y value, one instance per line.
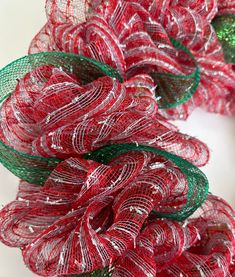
pixel 173 90
pixel 32 168
pixel 106 272
pixel 224 26
pixel 37 169
pixel 197 181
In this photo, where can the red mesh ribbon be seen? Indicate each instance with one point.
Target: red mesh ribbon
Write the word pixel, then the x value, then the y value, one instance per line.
pixel 89 216
pixel 134 37
pixel 51 114
pixel 226 7
pixel 203 245
pixel 92 216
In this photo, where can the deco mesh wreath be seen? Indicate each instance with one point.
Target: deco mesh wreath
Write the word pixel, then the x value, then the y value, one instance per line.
pixel 108 186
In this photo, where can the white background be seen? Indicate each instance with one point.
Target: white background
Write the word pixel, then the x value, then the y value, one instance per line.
pixel 20 20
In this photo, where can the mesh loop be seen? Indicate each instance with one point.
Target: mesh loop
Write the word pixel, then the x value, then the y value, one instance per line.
pixel 36 169
pixel 224 26
pixel 174 90
pixel 197 181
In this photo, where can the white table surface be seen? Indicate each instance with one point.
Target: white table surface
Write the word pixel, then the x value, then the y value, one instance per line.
pixel 19 22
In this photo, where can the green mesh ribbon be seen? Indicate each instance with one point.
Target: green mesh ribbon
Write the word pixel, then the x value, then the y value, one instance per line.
pixel 106 272
pixel 31 168
pixel 173 90
pixel 197 181
pixel 87 70
pixel 224 26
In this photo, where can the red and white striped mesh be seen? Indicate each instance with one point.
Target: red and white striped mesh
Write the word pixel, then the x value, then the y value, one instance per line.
pixel 133 36
pixel 50 114
pixel 89 216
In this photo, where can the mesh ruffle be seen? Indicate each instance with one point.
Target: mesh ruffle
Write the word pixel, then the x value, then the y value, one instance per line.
pixel 135 37
pixel 91 217
pixel 119 193
pixel 61 110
